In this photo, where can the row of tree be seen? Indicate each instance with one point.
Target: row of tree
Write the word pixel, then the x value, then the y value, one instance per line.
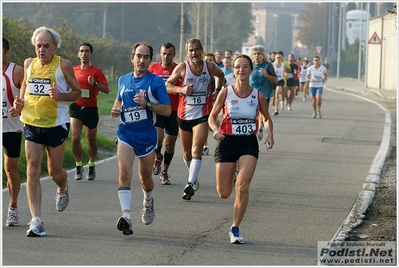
pixel 110 53
pixel 113 28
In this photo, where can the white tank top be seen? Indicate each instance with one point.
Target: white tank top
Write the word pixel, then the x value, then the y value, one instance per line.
pixel 199 104
pixel 240 114
pixel 10 124
pixel 279 71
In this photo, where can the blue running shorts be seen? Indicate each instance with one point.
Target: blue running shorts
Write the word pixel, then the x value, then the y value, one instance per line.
pixel 142 142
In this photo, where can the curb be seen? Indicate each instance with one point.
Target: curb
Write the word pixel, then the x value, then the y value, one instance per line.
pixel 366 195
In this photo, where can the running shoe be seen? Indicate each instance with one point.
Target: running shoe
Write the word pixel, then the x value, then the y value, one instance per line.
pixel 206 150
pixel 188 191
pixel 304 99
pixel 275 111
pixel 79 173
pixel 157 165
pixel 318 114
pixel 164 178
pixel 62 199
pixel 12 217
pixel 91 175
pixel 282 105
pixel 289 108
pixel 235 236
pixel 196 185
pixel 147 213
pixel 313 115
pixel 124 225
pixel 36 228
pixel 260 134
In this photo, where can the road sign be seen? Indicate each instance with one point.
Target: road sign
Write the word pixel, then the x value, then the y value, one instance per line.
pixel 187 25
pixel 375 39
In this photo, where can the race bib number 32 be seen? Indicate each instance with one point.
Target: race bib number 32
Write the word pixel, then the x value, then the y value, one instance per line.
pixel 39 86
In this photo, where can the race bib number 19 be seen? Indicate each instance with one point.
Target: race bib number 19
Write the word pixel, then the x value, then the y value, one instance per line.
pixel 134 114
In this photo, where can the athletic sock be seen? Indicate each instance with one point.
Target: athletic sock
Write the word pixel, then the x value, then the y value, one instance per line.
pixel 188 163
pixel 194 170
pixel 147 197
pixel 125 196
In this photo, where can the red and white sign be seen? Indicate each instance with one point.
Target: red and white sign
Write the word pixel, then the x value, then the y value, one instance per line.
pixel 375 39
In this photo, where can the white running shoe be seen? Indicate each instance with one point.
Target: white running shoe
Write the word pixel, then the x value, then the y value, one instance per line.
pixel 124 225
pixel 36 228
pixel 147 213
pixel 235 236
pixel 12 217
pixel 164 178
pixel 62 199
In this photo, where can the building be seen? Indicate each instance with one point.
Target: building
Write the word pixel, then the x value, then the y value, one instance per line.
pixel 265 24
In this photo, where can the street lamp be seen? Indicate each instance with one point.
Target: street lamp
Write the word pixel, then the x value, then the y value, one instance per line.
pixel 275 31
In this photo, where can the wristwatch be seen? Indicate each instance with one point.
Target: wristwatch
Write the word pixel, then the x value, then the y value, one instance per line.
pixel 148 105
pixel 95 84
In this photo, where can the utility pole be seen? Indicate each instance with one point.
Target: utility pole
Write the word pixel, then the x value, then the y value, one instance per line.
pixel 339 38
pixel 104 20
pixel 359 63
pixel 181 31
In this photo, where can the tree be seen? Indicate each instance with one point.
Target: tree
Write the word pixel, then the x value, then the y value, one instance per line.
pixel 352 53
pixel 232 24
pixel 310 34
pixel 18 33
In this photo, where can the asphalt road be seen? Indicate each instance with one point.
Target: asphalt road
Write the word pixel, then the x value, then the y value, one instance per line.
pixel 301 193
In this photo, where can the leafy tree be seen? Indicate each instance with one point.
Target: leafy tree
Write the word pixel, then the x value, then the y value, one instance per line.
pixel 18 33
pixel 310 34
pixel 232 24
pixel 352 53
pixel 108 53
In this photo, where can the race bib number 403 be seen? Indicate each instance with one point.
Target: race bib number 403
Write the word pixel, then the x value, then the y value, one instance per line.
pixel 243 126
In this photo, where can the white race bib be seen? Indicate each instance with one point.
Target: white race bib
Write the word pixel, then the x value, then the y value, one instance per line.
pixel 243 126
pixel 134 114
pixel 317 79
pixel 39 86
pixel 198 98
